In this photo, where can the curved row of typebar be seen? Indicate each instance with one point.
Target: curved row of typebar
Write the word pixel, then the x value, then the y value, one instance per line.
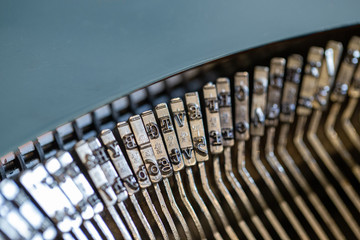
pixel 162 148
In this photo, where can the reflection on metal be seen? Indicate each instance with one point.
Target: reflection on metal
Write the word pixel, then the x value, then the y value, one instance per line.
pixel 300 177
pixel 304 110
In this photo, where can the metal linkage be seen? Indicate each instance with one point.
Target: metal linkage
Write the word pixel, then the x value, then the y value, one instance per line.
pixel 338 96
pixel 216 148
pixel 242 127
pixel 354 95
pixel 287 116
pixel 201 154
pixel 69 188
pixel 277 69
pixel 188 155
pixel 45 191
pixel 333 53
pixel 141 173
pixel 257 130
pixel 71 169
pixel 114 180
pixel 166 166
pixel 305 104
pixel 132 186
pixel 20 218
pixel 101 183
pixel 151 165
pixel 241 85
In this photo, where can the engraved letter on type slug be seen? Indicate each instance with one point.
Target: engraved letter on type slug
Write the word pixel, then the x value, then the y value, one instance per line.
pixel 196 126
pixel 157 144
pixel 167 128
pixel 134 154
pixel 213 118
pixel 145 148
pixel 119 161
pixel 183 132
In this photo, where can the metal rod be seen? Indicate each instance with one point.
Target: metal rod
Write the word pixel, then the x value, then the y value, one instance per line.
pixel 102 225
pixel 189 206
pixel 316 170
pixel 144 174
pixel 130 223
pixel 348 126
pixel 336 143
pixel 215 130
pixel 201 204
pixel 329 163
pixel 176 209
pixel 242 195
pixel 119 223
pixel 214 201
pixel 188 154
pixel 225 192
pixel 126 175
pixel 301 180
pixel 255 156
pixel 166 211
pixel 167 167
pixel 155 214
pixel 299 201
pixel 114 181
pixel 142 217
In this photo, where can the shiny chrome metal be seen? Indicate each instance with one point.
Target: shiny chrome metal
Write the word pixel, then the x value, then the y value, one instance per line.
pixel 279 170
pixel 126 175
pixel 187 149
pixel 153 131
pixel 166 167
pixel 196 126
pixel 308 90
pixel 115 182
pixel 242 112
pixel 101 183
pixel 277 70
pixel 326 79
pixel 255 156
pixel 216 148
pixel 241 86
pixel 301 180
pixel 69 188
pixel 56 205
pixel 287 114
pixel 316 170
pixel 143 178
pixel 224 117
pixel 215 142
pixel 18 226
pixel 71 169
pixel 201 152
pixel 327 160
pixel 27 209
pixel 257 130
pixel 152 166
pixel 183 133
pixel 7 231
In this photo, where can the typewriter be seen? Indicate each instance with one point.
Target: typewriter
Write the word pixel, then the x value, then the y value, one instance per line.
pixel 260 144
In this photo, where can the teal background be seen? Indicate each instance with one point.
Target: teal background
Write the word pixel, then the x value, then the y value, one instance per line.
pixel 61 59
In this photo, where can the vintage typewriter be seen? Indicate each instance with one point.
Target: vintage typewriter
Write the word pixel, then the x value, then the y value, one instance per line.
pixel 260 144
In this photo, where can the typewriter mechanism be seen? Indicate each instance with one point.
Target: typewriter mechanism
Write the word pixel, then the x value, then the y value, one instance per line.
pixel 262 144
